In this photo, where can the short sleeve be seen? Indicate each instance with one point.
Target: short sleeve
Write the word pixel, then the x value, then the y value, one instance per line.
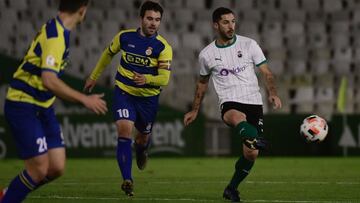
pixel 257 54
pixel 204 68
pixel 52 54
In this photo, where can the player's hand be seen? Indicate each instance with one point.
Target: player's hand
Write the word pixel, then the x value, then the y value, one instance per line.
pixel 275 101
pixel 190 117
pixel 139 79
pixel 89 85
pixel 95 103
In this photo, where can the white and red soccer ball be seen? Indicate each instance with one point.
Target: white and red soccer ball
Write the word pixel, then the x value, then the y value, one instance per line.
pixel 314 128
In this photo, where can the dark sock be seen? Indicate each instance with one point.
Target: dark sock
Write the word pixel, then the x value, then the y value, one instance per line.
pixel 242 169
pixel 46 180
pixel 124 157
pixel 19 188
pixel 246 130
pixel 142 147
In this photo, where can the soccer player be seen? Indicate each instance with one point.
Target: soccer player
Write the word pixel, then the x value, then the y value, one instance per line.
pixel 29 102
pixel 144 68
pixel 231 61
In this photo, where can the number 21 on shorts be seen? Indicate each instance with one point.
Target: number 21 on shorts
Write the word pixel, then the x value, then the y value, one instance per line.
pixel 41 141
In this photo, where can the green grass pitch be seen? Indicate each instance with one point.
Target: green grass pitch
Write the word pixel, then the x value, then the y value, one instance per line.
pixel 297 180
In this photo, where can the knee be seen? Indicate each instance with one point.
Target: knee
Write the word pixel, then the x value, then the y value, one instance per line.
pixel 251 155
pixel 56 172
pixel 38 172
pixel 124 129
pixel 233 117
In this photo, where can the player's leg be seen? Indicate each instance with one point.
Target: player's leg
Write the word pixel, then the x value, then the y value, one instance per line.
pixel 56 167
pixel 146 110
pixel 124 154
pixel 142 143
pixel 28 180
pixel 31 143
pixel 235 115
pixel 55 145
pixel 232 117
pixel 124 116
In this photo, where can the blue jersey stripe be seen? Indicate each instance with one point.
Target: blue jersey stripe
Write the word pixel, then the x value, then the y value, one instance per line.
pixel 139 69
pixel 67 43
pixel 37 94
pixel 38 50
pixel 51 30
pixel 130 82
pixel 32 69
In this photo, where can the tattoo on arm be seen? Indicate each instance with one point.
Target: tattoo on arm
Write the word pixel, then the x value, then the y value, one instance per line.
pixel 201 88
pixel 270 82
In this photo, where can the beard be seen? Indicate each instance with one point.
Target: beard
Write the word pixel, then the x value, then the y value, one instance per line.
pixel 149 31
pixel 227 35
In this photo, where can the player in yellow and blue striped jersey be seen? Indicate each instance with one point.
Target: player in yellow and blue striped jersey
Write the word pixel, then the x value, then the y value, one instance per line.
pixel 29 102
pixel 144 68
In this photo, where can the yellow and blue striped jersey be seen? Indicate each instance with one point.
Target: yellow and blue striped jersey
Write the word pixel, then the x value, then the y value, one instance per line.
pixel 48 52
pixel 144 55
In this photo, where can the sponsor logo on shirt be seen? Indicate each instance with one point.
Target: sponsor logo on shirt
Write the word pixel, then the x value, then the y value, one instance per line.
pixel 235 71
pixel 137 60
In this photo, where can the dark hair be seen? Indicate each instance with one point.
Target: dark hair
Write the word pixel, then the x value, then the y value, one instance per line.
pixel 150 6
pixel 216 16
pixel 72 6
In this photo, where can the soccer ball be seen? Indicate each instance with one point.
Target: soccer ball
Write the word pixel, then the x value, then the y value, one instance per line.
pixel 314 128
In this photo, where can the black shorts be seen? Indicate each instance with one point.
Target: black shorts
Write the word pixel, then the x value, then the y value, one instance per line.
pixel 254 113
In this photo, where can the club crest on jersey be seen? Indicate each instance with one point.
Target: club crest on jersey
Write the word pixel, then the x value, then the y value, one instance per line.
pixel 239 54
pixel 148 51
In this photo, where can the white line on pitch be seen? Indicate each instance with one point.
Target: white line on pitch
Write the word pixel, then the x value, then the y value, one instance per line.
pixel 215 182
pixel 182 199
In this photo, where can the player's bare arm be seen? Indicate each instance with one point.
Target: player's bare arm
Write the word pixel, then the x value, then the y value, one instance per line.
pixel 60 89
pixel 270 84
pixel 201 88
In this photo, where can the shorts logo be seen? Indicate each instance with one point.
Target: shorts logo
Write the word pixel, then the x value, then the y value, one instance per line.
pixel 148 128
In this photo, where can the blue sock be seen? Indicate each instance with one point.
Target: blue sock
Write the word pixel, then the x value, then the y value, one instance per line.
pixel 19 188
pixel 124 157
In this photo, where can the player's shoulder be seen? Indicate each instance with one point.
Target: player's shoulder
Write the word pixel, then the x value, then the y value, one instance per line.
pixel 126 31
pixel 209 48
pixel 163 40
pixel 245 40
pixel 53 33
pixel 53 29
